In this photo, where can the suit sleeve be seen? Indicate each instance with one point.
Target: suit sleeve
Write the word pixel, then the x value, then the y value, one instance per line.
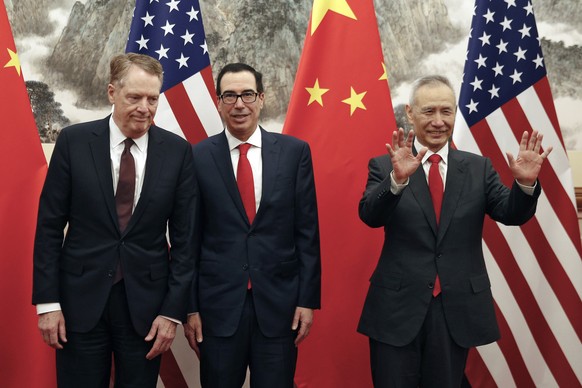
pixel 307 233
pixel 180 227
pixel 53 215
pixel 378 202
pixel 510 207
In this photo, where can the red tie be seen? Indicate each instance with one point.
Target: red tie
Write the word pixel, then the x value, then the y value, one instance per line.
pixel 246 186
pixel 435 185
pixel 124 194
pixel 245 183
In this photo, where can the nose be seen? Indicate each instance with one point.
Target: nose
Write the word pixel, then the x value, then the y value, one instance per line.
pixel 239 102
pixel 143 104
pixel 438 120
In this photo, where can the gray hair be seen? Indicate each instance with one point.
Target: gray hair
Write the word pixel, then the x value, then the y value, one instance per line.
pixel 432 80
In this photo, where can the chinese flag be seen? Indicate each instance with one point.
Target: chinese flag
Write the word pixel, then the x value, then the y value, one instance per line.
pixel 25 360
pixel 341 106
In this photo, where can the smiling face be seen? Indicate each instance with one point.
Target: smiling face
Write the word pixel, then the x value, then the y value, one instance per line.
pixel 433 115
pixel 135 101
pixel 241 119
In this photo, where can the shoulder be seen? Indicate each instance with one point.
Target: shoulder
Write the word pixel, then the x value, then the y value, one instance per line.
pixel 84 129
pixel 208 142
pixel 167 136
pixel 467 157
pixel 284 140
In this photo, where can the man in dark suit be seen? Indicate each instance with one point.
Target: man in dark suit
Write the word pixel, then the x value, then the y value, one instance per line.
pixel 114 285
pixel 258 267
pixel 429 299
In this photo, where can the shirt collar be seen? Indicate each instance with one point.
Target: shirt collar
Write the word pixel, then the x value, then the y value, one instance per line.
pixel 116 137
pixel 443 152
pixel 255 139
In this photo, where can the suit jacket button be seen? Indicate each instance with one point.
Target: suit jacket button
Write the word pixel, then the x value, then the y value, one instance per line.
pixel 245 267
pixel 110 273
pixel 431 285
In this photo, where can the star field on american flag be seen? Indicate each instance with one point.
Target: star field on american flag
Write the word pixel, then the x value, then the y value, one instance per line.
pixel 502 47
pixel 172 32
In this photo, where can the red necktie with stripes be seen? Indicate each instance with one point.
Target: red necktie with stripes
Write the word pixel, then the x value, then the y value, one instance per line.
pixel 435 185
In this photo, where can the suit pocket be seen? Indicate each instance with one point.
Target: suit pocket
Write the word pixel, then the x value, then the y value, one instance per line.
pixel 386 281
pixel 480 283
pixel 159 271
pixel 72 266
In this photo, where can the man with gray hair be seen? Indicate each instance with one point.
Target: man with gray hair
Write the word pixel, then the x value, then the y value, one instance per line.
pixel 429 299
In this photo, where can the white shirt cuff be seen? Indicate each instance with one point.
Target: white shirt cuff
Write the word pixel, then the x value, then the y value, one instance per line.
pixel 47 308
pixel 396 188
pixel 529 190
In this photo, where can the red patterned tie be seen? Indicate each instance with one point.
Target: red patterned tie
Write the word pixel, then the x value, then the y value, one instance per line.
pixel 124 195
pixel 435 185
pixel 245 183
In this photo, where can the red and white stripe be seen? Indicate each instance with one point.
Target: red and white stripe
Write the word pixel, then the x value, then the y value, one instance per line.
pixel 535 269
pixel 189 108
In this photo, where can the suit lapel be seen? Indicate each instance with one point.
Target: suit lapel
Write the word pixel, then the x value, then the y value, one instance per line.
pixel 154 162
pixel 221 155
pixel 100 150
pixel 419 187
pixel 456 175
pixel 270 153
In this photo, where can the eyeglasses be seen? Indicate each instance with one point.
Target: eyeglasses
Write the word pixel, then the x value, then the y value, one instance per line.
pixel 246 97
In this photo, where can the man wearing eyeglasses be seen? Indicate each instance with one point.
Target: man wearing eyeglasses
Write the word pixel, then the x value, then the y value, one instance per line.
pixel 258 264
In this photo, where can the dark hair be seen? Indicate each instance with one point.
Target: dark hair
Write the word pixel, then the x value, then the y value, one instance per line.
pixel 237 68
pixel 120 64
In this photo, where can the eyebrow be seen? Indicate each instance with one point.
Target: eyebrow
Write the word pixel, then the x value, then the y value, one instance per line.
pixel 244 91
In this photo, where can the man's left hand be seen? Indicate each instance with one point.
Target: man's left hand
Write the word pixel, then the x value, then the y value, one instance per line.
pixel 164 331
pixel 303 320
pixel 527 166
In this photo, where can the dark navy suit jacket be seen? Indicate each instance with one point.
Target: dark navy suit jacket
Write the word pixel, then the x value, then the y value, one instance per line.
pixel 279 251
pixel 414 248
pixel 78 272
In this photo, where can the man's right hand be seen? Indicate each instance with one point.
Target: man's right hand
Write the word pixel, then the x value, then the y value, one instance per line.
pixel 193 332
pixel 403 159
pixel 52 328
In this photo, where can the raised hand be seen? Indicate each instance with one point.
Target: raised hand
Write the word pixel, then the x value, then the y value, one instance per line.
pixel 403 160
pixel 527 166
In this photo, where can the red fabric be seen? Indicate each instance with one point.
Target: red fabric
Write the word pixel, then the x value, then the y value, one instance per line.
pixel 435 185
pixel 25 360
pixel 341 106
pixel 245 183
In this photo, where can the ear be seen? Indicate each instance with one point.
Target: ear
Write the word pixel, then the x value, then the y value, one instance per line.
pixel 261 99
pixel 408 109
pixel 110 93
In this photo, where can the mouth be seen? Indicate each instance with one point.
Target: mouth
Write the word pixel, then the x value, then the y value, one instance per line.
pixel 141 119
pixel 239 117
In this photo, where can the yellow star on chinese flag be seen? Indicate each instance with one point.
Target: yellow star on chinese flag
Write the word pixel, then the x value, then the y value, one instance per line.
pixel 315 93
pixel 355 101
pixel 322 7
pixel 384 75
pixel 14 61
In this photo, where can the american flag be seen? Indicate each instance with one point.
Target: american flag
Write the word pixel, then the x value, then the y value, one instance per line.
pixel 536 269
pixel 172 32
